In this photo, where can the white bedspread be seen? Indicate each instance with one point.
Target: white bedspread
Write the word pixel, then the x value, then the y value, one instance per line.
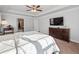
pixel 43 43
pixel 28 43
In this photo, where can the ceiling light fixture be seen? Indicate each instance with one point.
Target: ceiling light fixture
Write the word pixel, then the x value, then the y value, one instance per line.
pixel 34 8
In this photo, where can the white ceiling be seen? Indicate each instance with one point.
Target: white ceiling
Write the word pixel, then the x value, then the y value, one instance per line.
pixel 21 9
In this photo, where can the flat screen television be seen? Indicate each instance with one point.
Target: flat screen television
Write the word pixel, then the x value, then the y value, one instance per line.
pixel 57 21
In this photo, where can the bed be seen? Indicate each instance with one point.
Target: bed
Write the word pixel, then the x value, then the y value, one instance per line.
pixel 28 43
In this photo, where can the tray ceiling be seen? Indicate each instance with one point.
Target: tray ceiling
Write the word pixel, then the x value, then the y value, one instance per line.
pixel 21 9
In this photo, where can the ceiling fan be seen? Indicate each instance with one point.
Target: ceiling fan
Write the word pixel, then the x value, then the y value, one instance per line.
pixel 33 8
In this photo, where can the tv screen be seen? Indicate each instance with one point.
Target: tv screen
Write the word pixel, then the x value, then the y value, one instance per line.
pixel 57 21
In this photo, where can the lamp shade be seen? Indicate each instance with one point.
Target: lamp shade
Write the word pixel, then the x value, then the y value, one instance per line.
pixel 4 22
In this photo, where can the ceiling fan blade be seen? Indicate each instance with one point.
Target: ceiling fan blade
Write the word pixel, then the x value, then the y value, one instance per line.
pixel 38 6
pixel 39 10
pixel 28 6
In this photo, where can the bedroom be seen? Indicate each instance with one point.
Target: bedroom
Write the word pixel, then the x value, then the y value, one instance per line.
pixel 40 23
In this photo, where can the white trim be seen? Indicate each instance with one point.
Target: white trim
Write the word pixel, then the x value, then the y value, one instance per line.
pixel 74 41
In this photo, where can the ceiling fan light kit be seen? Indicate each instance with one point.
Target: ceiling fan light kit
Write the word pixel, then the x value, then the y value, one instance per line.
pixel 33 11
pixel 34 8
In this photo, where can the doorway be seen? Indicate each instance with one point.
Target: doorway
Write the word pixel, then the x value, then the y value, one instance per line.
pixel 20 25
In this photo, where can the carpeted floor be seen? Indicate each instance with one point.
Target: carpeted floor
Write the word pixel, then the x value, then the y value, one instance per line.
pixel 67 47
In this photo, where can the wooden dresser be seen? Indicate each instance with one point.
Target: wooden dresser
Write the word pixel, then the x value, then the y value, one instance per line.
pixel 60 33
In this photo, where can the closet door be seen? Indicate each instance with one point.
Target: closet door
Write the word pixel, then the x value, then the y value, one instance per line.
pixel 20 25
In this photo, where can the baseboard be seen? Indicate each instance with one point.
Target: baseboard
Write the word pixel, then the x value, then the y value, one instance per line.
pixel 74 41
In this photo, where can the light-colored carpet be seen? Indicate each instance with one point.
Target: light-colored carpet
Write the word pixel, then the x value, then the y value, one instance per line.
pixel 67 47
